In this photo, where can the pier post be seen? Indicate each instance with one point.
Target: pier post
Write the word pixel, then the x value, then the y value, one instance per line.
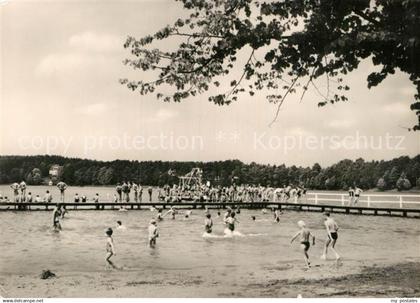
pixel 404 214
pixel 342 200
pixel 368 201
pixel 401 202
pixel 316 198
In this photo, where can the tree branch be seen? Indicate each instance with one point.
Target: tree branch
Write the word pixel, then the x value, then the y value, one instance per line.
pixel 282 100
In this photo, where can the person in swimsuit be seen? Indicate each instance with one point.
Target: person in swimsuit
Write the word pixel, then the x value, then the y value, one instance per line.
pixel 208 224
pixel 277 214
pixel 188 214
pixel 357 192
pixel 118 189
pixel 227 215
pixel 62 187
pixel 305 236
pixel 48 197
pixel 56 217
pixel 150 191
pixel 153 233
pixel 351 196
pixel 22 187
pixel 110 249
pixel 253 218
pixel 172 212
pixel 159 216
pixel 15 187
pixel 120 226
pixel 332 236
pixel 230 222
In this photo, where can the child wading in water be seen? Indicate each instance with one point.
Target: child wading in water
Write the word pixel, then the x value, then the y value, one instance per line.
pixel 305 235
pixel 208 224
pixel 153 233
pixel 110 250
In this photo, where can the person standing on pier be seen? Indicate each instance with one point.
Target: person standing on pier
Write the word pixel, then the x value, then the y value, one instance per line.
pixel 136 192
pixel 62 187
pixel 351 196
pixel 125 190
pixel 357 193
pixel 140 193
pixel 118 188
pixel 15 188
pixel 150 191
pixel 332 236
pixel 48 197
pixel 22 187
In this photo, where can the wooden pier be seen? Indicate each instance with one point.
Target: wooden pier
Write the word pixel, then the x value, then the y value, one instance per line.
pixel 341 209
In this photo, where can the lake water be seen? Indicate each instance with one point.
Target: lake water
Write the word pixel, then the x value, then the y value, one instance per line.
pixel 29 246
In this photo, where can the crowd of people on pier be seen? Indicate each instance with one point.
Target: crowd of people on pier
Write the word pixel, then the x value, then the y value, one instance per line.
pixel 133 192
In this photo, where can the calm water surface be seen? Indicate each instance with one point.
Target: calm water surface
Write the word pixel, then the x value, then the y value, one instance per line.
pixel 29 245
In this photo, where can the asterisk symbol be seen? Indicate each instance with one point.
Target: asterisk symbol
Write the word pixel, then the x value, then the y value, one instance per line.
pixel 221 136
pixel 235 136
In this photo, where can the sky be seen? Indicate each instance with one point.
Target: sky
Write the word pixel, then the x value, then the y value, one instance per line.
pixel 60 62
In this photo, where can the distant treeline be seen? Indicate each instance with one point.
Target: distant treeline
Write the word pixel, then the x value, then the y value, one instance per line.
pixel 402 173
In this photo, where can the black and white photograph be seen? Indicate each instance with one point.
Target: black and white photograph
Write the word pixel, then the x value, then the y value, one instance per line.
pixel 209 149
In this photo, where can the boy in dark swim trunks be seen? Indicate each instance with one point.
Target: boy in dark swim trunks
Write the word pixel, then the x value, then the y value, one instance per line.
pixel 332 236
pixel 305 235
pixel 208 224
pixel 56 218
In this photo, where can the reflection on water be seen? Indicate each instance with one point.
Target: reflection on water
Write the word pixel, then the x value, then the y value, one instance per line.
pixel 29 245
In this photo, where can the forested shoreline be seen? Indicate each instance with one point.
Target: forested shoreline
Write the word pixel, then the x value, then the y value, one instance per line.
pixel 401 173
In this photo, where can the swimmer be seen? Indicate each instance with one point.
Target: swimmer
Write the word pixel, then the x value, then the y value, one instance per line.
pixel 153 233
pixel 218 214
pixel 188 214
pixel 332 236
pixel 263 211
pixel 277 214
pixel 152 208
pixel 172 212
pixel 110 249
pixel 56 218
pixel 305 235
pixel 159 216
pixel 208 224
pixel 253 218
pixel 120 226
pixel 238 210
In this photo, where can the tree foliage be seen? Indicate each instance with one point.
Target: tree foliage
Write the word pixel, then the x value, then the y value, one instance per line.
pixel 289 44
pixel 338 176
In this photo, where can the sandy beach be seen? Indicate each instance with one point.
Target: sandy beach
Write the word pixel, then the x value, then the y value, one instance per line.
pixel 379 280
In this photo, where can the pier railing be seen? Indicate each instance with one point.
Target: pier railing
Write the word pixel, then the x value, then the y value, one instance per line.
pixel 368 200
